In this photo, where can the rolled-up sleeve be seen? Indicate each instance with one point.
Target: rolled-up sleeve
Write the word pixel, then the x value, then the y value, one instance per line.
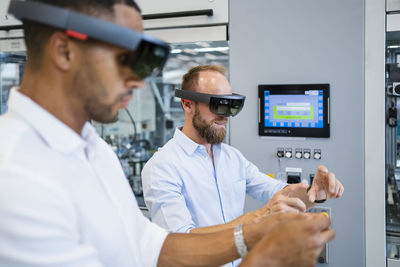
pixel 162 190
pixel 259 185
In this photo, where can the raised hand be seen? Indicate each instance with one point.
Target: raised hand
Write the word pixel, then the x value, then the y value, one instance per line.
pixel 285 200
pixel 324 186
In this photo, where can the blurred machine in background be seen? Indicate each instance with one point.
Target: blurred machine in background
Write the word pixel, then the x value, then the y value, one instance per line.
pixel 151 117
pixel 198 34
pixel 11 70
pixel 154 112
pixel 393 144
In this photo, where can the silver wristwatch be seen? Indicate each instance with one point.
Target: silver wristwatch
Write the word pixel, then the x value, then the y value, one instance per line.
pixel 239 241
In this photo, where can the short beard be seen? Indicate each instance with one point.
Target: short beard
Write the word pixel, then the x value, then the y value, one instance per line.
pixel 100 113
pixel 93 94
pixel 207 131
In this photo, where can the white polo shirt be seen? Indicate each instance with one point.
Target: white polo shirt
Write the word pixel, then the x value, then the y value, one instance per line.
pixel 64 199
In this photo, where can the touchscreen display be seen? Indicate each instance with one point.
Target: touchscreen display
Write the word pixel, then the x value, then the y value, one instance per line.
pixel 294 110
pixel 303 110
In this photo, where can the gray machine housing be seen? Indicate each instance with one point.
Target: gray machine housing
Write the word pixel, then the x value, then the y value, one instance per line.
pixel 288 41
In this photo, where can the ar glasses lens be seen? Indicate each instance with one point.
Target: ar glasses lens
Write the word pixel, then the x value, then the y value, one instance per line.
pixel 226 107
pixel 223 107
pixel 236 106
pixel 150 60
pixel 147 61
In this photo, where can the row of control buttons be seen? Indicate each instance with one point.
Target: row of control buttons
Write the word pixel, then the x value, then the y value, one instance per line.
pixel 298 153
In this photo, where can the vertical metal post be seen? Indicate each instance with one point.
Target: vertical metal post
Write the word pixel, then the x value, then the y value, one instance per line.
pixel 375 241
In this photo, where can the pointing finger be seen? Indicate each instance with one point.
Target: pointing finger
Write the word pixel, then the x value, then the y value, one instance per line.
pixel 332 183
pixel 321 170
pixel 341 190
pixel 312 194
pixel 337 189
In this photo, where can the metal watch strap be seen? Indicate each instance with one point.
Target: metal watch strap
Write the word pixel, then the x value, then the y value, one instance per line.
pixel 239 241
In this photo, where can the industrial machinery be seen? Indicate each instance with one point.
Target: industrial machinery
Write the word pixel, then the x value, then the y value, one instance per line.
pixel 153 114
pixel 11 70
pixel 392 146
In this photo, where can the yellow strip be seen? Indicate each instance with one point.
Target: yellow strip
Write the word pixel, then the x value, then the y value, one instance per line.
pixel 325 213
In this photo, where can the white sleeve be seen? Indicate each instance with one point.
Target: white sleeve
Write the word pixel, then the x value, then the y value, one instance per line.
pixel 151 242
pixel 38 226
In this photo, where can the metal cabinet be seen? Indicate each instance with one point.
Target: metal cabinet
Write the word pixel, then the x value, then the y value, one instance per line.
pixel 183 13
pixel 392 5
pixel 5 19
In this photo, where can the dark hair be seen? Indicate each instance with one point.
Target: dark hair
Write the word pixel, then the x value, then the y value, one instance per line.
pixel 36 35
pixel 190 79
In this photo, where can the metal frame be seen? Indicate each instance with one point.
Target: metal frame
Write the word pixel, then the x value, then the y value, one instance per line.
pixel 375 221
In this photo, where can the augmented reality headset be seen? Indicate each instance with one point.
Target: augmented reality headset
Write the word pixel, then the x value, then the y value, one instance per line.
pixel 222 105
pixel 148 56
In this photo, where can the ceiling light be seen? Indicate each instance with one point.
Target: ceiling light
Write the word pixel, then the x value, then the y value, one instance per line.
pixel 212 49
pixel 176 51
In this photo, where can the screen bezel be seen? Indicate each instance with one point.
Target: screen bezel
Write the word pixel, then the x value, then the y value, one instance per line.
pixel 292 131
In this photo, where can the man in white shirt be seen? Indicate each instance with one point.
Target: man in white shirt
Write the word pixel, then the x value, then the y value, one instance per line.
pixel 64 200
pixel 197 184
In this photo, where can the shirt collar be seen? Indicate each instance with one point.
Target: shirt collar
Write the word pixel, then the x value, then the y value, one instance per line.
pixel 54 132
pixel 185 142
pixel 188 144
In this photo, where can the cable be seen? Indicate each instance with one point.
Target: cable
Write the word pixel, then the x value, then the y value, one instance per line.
pixel 133 123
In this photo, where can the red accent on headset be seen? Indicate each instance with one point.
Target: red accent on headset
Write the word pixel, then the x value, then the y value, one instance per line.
pixel 77 35
pixel 185 100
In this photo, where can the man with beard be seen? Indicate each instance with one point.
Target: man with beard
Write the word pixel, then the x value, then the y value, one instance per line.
pixel 197 184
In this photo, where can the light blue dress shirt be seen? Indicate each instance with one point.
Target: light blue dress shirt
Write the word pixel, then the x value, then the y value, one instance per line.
pixel 183 190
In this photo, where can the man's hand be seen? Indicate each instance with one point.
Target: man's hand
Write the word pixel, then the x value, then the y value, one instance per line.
pixel 254 232
pixel 295 242
pixel 285 200
pixel 325 186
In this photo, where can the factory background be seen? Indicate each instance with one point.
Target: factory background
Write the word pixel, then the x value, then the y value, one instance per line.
pixel 349 48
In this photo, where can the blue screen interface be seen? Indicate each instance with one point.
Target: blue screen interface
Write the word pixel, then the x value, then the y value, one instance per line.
pixel 294 110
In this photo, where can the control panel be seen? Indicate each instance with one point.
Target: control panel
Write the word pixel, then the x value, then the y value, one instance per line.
pixel 293 175
pixel 289 171
pixel 299 153
pixel 323 257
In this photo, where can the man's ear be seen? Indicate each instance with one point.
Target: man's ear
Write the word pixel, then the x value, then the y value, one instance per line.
pixel 62 51
pixel 187 105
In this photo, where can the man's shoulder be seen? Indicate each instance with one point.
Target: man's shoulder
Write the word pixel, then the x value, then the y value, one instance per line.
pixel 18 142
pixel 167 159
pixel 11 123
pixel 12 131
pixel 169 152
